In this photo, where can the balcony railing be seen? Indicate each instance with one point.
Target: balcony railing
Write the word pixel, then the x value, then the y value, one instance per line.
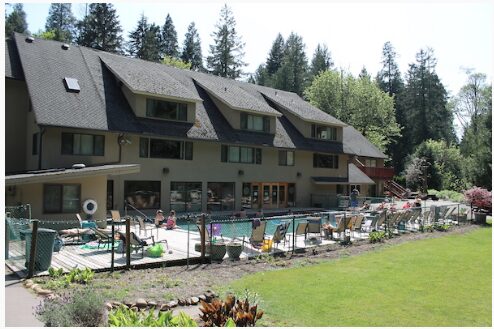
pixel 378 172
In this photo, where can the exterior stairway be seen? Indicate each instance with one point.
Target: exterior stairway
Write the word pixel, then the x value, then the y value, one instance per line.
pixel 396 189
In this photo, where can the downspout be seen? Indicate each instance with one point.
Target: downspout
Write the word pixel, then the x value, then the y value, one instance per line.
pixel 41 133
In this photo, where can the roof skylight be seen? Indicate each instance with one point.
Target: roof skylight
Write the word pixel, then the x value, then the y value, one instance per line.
pixel 72 85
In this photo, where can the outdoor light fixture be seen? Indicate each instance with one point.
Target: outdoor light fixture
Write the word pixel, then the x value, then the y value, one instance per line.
pixel 240 172
pixel 299 174
pixel 166 170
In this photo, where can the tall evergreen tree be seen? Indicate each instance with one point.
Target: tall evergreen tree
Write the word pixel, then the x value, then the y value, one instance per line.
pixel 321 61
pixel 292 75
pixel 192 52
pixel 389 77
pixel 16 20
pixel 144 41
pixel 424 103
pixel 226 53
pixel 276 54
pixel 61 21
pixel 390 81
pixel 261 76
pixel 169 45
pixel 100 29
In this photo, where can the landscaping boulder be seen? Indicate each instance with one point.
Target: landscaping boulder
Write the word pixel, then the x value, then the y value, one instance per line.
pixel 141 303
pixel 152 304
pixel 194 301
pixel 164 307
pixel 201 297
pixel 172 304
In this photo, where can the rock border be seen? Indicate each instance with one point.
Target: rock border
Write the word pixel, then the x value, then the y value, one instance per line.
pixel 139 304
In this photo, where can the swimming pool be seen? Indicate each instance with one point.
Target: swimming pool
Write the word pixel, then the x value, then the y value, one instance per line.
pixel 237 228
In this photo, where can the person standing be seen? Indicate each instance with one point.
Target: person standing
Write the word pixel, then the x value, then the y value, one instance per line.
pixel 354 198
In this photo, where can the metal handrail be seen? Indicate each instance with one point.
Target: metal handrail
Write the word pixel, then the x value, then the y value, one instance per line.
pixel 134 208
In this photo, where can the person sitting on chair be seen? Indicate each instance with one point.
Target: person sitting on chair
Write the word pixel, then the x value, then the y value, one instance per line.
pixel 171 221
pixel 159 219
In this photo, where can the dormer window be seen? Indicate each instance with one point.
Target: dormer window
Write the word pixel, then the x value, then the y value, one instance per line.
pixel 324 132
pixel 166 110
pixel 254 122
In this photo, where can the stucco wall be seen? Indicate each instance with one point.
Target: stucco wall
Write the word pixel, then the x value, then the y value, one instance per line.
pixel 91 188
pixel 52 149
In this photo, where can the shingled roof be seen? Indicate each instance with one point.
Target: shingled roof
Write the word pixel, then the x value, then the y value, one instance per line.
pixel 13 68
pixel 101 105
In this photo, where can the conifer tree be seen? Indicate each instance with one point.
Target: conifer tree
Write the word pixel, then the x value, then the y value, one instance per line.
pixel 292 75
pixel 321 61
pixel 192 52
pixel 61 21
pixel 16 20
pixel 276 54
pixel 226 53
pixel 144 41
pixel 169 45
pixel 424 103
pixel 100 29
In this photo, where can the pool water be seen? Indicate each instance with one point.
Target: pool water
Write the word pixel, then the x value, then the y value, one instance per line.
pixel 240 228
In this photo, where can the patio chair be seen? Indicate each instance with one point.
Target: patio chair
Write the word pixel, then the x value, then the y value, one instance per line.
pixel 340 227
pixel 301 230
pixel 280 233
pixel 380 220
pixel 314 226
pixel 256 238
pixel 415 214
pixel 142 227
pixel 357 225
pixel 119 220
pixel 136 243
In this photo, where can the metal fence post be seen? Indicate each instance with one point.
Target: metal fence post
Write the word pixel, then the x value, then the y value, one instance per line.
pixel 188 239
pixel 112 246
pixel 203 238
pixel 127 240
pixel 7 238
pixel 32 251
pixel 458 215
pixel 293 234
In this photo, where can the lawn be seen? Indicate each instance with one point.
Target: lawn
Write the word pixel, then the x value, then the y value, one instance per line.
pixel 436 282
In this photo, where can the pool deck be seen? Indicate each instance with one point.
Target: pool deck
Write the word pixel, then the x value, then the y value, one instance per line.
pixel 181 243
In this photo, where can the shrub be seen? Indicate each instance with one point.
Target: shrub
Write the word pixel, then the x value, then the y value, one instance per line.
pixel 479 198
pixel 79 276
pixel 82 308
pixel 126 317
pixel 220 313
pixel 376 236
pixel 448 195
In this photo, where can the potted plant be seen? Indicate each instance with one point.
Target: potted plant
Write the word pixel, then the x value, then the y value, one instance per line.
pixel 481 201
pixel 234 249
pixel 218 250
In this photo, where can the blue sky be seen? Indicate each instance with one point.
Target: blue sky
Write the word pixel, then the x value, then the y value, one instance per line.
pixel 460 32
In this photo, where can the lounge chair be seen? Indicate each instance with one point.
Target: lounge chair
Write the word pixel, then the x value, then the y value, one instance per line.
pixel 103 237
pixel 280 233
pixel 340 227
pixel 357 225
pixel 76 232
pixel 119 220
pixel 301 230
pixel 136 243
pixel 256 238
pixel 314 226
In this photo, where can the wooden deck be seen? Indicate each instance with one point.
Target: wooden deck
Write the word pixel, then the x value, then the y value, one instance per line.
pixel 180 241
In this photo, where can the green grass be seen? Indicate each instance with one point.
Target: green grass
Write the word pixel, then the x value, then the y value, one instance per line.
pixel 435 282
